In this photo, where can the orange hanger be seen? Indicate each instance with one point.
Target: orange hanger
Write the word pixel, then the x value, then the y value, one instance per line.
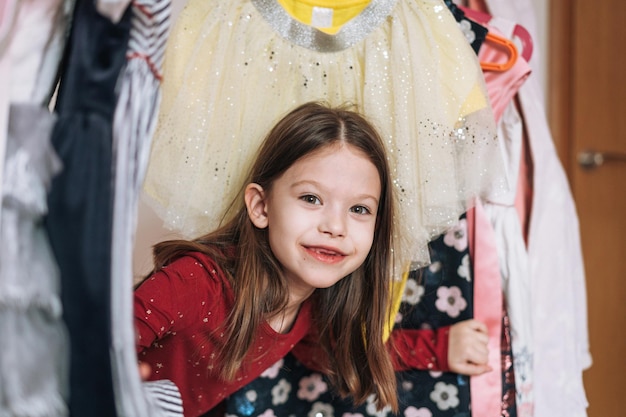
pixel 519 32
pixel 508 45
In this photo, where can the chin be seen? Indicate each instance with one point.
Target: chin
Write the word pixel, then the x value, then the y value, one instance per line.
pixel 326 283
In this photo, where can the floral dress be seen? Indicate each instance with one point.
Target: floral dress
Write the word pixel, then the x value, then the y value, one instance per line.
pixel 435 296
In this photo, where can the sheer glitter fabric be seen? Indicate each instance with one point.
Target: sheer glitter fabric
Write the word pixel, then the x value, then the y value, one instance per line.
pixel 233 68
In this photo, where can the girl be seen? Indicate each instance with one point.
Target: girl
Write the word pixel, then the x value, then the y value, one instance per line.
pixel 308 250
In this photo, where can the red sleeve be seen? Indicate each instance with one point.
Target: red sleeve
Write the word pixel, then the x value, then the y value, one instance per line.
pixel 409 349
pixel 419 349
pixel 171 299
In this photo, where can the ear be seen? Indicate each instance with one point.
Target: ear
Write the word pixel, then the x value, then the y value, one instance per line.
pixel 254 197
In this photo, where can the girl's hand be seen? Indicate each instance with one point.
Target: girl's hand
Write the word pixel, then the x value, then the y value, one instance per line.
pixel 467 348
pixel 144 371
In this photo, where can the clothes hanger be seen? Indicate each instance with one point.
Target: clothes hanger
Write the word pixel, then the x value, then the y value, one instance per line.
pixel 474 32
pixel 526 41
pixel 506 44
pixel 520 33
pixel 481 34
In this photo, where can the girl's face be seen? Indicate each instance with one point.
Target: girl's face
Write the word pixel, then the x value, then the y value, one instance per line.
pixel 321 216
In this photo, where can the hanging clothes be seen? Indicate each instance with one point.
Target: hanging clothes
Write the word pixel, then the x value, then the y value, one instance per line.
pixel 559 323
pixel 134 121
pixel 80 201
pixel 34 347
pixel 31 41
pixel 504 227
pixel 113 9
pixel 405 63
pixel 8 11
pixel 557 280
pixel 486 389
pixel 514 271
pixel 34 350
pixel 500 296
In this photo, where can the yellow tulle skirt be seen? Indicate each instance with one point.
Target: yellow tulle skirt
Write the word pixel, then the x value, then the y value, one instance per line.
pixel 233 68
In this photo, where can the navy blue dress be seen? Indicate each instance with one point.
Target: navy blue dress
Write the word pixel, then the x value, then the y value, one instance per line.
pixel 79 220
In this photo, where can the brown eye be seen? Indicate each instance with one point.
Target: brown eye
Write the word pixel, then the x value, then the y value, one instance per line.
pixel 360 210
pixel 311 199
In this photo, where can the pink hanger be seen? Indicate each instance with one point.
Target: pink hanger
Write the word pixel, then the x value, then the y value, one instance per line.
pixel 525 39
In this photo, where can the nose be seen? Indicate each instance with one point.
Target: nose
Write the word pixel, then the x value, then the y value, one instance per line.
pixel 333 222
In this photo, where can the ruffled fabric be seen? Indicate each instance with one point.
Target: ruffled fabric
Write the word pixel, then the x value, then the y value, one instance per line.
pixel 233 68
pixel 34 344
pixel 34 363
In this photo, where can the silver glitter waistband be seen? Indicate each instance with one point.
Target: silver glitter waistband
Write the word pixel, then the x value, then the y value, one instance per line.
pixel 308 37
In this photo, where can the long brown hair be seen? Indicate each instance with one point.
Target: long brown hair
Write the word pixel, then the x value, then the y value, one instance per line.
pixel 350 316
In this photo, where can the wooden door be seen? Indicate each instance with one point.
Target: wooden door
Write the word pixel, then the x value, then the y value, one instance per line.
pixel 587 99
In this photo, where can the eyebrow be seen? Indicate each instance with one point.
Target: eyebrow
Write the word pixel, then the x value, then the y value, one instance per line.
pixel 318 185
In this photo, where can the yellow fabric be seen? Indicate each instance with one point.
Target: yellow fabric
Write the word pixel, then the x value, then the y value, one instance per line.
pixel 397 289
pixel 343 11
pixel 475 101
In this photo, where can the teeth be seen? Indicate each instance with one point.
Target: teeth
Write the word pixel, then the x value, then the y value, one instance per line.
pixel 325 252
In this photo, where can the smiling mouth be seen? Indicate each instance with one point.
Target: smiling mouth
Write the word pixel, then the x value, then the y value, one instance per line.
pixel 325 255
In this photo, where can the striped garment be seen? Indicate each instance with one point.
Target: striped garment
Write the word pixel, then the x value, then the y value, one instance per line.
pixel 134 123
pixel 165 396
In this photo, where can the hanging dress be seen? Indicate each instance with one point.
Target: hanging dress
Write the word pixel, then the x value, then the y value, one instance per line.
pixel 500 222
pixel 133 126
pixel 34 344
pixel 79 221
pixel 233 68
pixel 34 350
pixel 557 279
pixel 134 121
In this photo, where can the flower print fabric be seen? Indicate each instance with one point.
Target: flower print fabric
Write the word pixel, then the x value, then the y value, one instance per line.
pixel 311 387
pixel 445 395
pixel 450 301
pixel 280 392
pixel 417 412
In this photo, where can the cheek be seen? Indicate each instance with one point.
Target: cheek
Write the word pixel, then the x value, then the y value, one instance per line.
pixel 293 224
pixel 365 237
pixel 283 232
pixel 277 244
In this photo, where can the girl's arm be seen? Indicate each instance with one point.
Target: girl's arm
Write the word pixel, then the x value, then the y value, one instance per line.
pixel 424 349
pixel 460 348
pixel 171 299
pixel 153 308
pixel 409 349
